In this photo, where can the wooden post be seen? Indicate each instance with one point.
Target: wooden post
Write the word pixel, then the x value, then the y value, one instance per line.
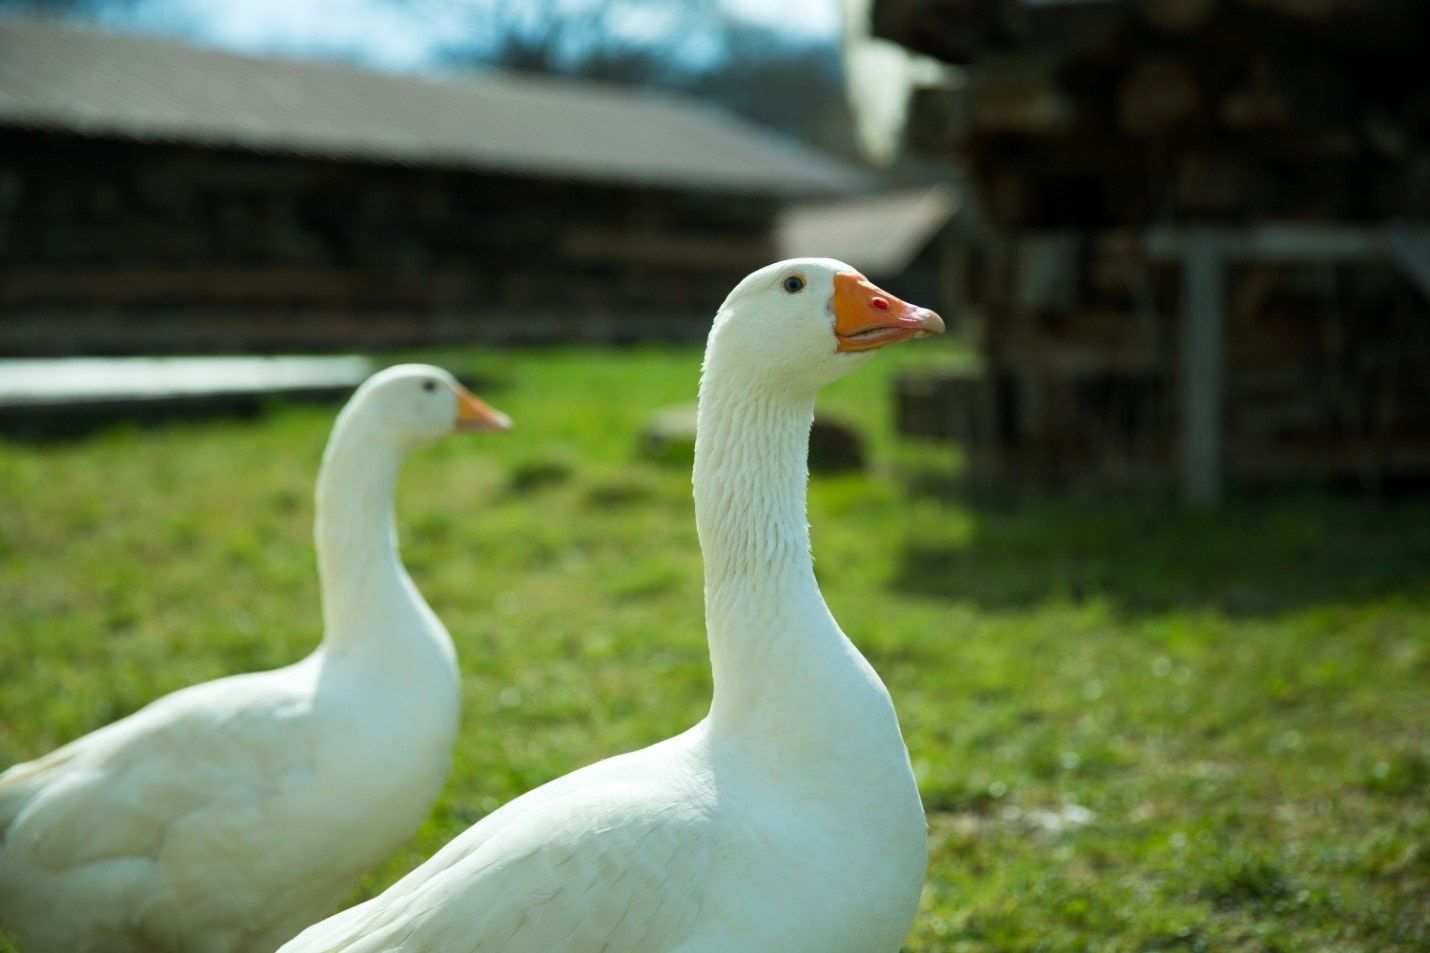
pixel 1203 282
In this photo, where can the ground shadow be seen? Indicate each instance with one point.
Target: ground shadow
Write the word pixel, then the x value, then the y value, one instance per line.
pixel 1252 556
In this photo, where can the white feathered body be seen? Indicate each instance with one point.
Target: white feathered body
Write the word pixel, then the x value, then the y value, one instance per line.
pixel 225 817
pixel 788 821
pixel 693 845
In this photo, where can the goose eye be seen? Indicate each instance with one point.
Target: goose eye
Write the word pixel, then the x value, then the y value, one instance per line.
pixel 429 386
pixel 793 284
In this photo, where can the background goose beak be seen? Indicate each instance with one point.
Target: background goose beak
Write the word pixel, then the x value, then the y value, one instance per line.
pixel 867 318
pixel 474 415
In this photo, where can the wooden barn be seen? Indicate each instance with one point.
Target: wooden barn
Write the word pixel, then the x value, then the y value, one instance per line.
pixel 1203 250
pixel 156 197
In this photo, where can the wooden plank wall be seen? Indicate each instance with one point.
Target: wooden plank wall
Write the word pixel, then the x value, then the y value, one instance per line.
pixel 112 247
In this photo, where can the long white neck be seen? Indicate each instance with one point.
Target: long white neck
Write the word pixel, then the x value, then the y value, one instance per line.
pixel 370 605
pixel 783 672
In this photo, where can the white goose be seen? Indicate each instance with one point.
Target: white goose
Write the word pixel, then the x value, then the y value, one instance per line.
pixel 226 816
pixel 788 820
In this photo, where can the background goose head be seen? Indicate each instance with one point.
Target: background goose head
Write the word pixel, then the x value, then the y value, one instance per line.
pixel 411 405
pixel 805 322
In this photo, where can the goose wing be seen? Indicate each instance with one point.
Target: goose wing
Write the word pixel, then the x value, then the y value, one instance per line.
pixel 202 759
pixel 604 868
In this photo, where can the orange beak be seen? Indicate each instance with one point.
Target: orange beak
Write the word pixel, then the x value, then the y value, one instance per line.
pixel 474 415
pixel 867 318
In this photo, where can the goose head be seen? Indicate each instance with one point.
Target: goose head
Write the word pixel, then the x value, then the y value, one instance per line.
pixel 807 322
pixel 412 405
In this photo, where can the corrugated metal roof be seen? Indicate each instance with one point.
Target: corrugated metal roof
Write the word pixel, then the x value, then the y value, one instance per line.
pixel 102 84
pixel 878 234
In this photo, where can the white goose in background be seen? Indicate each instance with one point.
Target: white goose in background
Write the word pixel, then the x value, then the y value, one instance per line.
pixel 787 821
pixel 225 817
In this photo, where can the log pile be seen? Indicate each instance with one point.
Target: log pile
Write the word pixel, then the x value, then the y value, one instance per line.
pixel 1087 123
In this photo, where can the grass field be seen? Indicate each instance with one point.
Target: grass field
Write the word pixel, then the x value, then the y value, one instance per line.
pixel 1136 728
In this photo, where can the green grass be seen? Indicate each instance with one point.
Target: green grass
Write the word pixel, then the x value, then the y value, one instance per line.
pixel 1136 728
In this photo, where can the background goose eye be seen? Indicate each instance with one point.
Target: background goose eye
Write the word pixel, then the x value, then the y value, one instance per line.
pixel 429 385
pixel 793 284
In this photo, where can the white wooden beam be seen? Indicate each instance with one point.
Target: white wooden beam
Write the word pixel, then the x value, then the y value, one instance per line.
pixel 1203 280
pixel 1204 252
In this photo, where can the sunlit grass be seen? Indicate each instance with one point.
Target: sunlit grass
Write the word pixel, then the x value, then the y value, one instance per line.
pixel 1136 728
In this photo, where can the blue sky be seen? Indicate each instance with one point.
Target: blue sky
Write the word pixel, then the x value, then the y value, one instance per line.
pixel 383 34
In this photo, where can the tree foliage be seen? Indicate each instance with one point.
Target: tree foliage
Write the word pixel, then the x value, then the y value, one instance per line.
pixel 791 82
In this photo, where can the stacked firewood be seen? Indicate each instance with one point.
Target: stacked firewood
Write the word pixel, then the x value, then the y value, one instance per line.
pixel 1085 123
pixel 1085 113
